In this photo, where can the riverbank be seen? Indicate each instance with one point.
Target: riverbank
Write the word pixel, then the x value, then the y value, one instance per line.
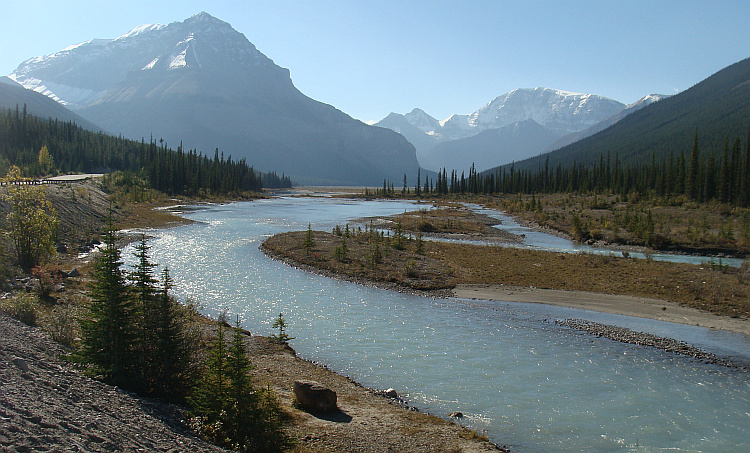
pixel 712 296
pixel 45 402
pixel 640 307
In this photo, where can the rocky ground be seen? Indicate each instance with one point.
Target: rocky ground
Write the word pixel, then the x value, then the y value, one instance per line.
pixel 625 335
pixel 45 405
pixel 367 421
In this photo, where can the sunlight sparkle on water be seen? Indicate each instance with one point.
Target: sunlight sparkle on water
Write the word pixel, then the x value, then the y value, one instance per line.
pixel 529 383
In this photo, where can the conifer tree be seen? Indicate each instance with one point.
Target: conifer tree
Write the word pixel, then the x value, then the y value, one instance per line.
pixel 172 370
pixel 109 326
pixel 227 410
pixel 691 184
pixel 144 293
pixel 725 178
pixel 309 241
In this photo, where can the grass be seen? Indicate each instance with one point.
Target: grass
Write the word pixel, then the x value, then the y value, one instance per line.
pixel 441 266
pixel 366 259
pixel 659 223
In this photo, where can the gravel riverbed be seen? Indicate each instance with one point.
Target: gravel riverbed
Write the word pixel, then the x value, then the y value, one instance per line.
pixel 626 335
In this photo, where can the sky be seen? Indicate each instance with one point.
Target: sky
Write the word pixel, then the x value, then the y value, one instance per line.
pixel 370 58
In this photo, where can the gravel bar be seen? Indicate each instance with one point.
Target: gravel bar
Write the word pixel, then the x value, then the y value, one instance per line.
pixel 626 335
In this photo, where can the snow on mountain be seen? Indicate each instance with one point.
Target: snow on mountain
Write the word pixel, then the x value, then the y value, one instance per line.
pixel 422 120
pixel 77 77
pixel 140 29
pixel 601 125
pixel 646 100
pixel 560 111
pixel 204 84
pixel 557 113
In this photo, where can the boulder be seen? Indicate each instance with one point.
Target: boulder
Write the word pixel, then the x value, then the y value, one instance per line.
pixel 314 397
pixel 390 393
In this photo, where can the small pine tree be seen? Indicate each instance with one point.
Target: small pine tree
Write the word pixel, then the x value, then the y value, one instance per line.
pixel 419 248
pixel 227 410
pixel 174 346
pixel 309 242
pixel 398 237
pixel 282 337
pixel 341 251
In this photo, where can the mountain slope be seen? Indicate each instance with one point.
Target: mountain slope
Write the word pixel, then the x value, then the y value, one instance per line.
pixel 13 95
pixel 202 83
pixel 717 108
pixel 598 127
pixel 557 112
pixel 485 149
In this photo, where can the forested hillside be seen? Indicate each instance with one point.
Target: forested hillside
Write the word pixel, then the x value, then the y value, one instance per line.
pixel 694 173
pixel 45 147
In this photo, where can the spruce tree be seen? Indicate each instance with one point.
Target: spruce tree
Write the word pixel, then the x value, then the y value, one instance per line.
pixel 227 410
pixel 144 299
pixel 108 328
pixel 174 348
pixel 309 241
pixel 691 184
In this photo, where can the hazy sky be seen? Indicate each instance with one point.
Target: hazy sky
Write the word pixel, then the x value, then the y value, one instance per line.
pixel 370 58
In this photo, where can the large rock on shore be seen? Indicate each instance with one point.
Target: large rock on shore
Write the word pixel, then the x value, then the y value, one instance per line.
pixel 315 397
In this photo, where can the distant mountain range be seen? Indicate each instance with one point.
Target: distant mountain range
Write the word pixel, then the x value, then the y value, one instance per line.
pixel 717 109
pixel 202 83
pixel 513 126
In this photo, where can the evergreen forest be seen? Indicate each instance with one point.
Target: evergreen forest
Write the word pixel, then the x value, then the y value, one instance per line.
pixel 700 175
pixel 44 147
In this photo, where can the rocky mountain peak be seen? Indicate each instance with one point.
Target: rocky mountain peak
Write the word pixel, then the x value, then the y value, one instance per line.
pixel 79 75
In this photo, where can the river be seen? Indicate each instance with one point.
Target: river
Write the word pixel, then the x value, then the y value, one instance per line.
pixel 515 374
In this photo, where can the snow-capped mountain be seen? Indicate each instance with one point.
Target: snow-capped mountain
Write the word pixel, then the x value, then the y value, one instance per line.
pixel 202 83
pixel 79 75
pixel 558 112
pixel 14 96
pixel 600 126
pixel 422 121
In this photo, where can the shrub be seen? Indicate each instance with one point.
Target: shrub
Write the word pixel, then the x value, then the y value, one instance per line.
pixel 60 324
pixel 21 306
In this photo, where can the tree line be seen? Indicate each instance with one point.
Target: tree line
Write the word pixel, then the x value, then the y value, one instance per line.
pixel 698 175
pixel 41 147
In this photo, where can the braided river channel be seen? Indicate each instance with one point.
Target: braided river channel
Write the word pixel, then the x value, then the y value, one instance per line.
pixel 517 377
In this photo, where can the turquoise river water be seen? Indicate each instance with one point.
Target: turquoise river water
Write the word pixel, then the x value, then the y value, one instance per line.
pixel 515 374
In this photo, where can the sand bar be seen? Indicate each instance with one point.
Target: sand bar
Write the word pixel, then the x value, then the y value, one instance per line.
pixel 607 303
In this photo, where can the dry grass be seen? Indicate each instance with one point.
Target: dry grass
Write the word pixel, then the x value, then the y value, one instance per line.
pixel 676 223
pixel 455 219
pixel 714 289
pixel 366 259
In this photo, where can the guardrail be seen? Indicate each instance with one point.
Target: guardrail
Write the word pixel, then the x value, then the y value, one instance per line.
pixel 54 180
